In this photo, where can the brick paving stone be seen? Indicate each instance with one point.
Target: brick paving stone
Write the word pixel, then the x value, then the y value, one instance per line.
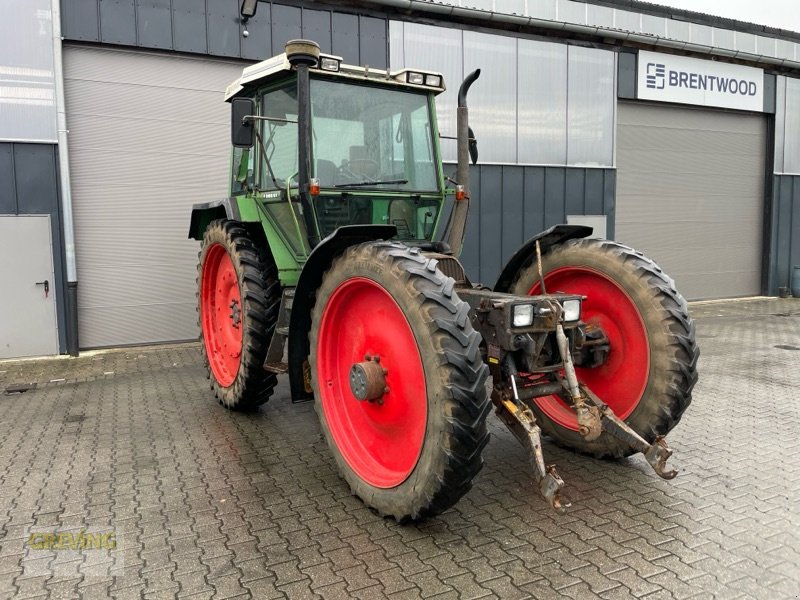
pixel 213 504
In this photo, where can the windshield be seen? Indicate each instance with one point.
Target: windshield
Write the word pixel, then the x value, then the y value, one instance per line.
pixel 367 137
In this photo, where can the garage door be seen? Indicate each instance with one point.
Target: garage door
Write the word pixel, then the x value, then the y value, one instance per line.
pixel 149 136
pixel 690 194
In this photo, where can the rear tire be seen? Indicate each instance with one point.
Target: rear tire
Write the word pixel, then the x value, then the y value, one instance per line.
pixel 414 452
pixel 652 366
pixel 238 298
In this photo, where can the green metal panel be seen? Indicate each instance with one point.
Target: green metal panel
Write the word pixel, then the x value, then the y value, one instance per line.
pixel 288 261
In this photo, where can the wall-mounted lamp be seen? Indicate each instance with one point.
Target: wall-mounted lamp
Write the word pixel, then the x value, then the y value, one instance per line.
pixel 246 11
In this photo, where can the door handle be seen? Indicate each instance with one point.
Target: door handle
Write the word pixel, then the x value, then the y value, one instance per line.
pixel 46 285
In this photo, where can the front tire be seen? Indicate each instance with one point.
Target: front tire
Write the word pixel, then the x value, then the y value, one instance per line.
pixel 650 371
pixel 238 298
pixel 412 452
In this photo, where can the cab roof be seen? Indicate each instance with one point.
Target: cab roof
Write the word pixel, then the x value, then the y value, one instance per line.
pixel 271 68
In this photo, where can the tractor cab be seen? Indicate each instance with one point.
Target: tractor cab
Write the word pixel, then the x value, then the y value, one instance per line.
pixel 359 147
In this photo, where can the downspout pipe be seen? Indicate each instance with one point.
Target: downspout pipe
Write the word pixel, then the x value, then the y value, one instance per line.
pixel 64 182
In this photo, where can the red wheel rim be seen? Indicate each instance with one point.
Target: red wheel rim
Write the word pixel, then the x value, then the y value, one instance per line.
pixel 621 380
pixel 380 442
pixel 221 314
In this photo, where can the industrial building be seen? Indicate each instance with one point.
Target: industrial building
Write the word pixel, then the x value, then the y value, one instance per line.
pixel 674 132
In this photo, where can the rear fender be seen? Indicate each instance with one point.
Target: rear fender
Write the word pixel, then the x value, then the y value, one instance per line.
pixel 525 256
pixel 305 295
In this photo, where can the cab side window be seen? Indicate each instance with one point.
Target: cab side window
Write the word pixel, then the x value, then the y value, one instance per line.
pixel 279 137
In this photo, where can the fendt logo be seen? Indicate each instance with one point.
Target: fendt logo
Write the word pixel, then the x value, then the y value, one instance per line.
pixel 655 75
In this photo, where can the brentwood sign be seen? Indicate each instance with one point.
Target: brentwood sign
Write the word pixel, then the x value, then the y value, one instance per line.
pixel 669 78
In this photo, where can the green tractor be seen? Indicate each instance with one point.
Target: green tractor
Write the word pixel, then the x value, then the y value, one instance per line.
pixel 335 261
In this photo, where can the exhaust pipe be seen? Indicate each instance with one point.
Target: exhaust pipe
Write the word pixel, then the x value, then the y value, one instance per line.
pixel 467 148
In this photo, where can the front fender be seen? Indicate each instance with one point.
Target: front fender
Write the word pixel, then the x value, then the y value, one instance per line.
pixel 205 212
pixel 523 257
pixel 305 295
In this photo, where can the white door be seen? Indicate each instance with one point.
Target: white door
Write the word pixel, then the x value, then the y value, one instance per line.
pixel 27 292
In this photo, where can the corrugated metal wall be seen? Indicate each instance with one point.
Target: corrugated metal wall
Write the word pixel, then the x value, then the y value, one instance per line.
pixel 512 203
pixel 149 136
pixel 785 251
pixel 691 195
pixel 212 27
pixel 29 186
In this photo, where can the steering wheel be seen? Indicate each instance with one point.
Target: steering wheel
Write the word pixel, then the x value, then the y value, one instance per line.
pixel 357 169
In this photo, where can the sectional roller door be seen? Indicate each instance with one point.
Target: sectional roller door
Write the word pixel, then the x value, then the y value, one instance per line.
pixel 690 194
pixel 149 136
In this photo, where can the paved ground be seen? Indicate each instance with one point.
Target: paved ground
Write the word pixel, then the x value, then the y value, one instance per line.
pixel 203 503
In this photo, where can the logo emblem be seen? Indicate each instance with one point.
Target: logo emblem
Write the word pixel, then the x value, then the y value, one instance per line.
pixel 655 75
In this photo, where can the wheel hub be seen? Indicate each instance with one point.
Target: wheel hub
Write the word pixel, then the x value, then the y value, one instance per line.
pixel 236 313
pixel 368 380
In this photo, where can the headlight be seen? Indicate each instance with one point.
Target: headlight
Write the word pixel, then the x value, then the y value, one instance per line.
pixel 415 78
pixel 433 80
pixel 572 310
pixel 328 64
pixel 522 315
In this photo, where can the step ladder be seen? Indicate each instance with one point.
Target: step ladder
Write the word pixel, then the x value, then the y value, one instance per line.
pixel 274 361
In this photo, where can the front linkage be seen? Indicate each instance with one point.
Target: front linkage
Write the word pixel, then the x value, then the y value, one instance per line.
pixel 530 357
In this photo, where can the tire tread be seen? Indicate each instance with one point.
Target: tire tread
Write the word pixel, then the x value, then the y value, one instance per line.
pixel 261 296
pixel 459 366
pixel 654 415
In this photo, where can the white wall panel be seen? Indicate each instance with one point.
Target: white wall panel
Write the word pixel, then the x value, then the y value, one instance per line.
pixel 701 34
pixel 600 15
pixel 654 25
pixel 572 12
pixel 493 98
pixel 627 21
pixel 27 81
pixel 590 112
pixel 542 101
pixel 746 42
pixel 791 152
pixel 780 122
pixel 437 49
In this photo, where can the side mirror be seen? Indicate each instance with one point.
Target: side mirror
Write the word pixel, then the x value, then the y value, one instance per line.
pixel 242 133
pixel 473 147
